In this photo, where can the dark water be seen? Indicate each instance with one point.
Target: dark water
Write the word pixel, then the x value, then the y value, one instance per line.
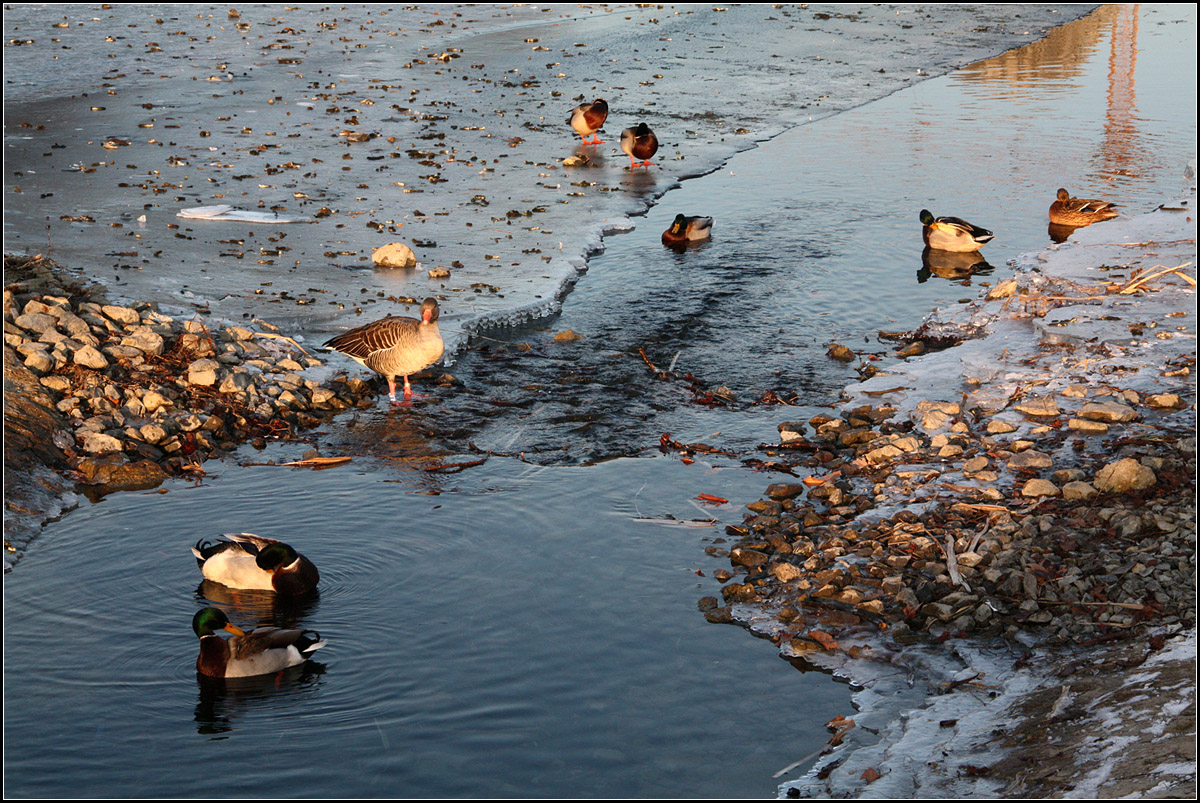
pixel 529 628
pixel 481 642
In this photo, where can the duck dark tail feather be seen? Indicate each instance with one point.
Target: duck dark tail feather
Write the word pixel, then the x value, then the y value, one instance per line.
pixel 307 639
pixel 206 550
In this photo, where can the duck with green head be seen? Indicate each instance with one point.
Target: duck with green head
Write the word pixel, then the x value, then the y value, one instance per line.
pixel 251 562
pixel 262 651
pixel 952 233
pixel 686 230
pixel 1076 212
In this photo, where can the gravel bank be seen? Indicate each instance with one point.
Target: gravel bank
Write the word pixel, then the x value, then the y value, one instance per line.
pixel 1033 486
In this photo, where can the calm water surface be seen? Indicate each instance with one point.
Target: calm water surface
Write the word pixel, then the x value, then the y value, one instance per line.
pixel 529 628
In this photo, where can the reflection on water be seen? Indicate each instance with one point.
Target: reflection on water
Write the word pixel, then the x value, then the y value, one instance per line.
pixel 1055 64
pixel 221 703
pixel 263 608
pixel 1123 152
pixel 952 265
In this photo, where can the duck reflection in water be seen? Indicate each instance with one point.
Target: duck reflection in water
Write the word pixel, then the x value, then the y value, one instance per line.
pixel 266 608
pixel 220 701
pixel 952 265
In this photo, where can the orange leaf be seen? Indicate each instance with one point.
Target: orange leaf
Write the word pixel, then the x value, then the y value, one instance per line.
pixel 869 775
pixel 714 499
pixel 830 477
pixel 824 639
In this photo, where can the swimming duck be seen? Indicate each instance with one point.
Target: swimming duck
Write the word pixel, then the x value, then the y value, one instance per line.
pixel 262 651
pixel 395 345
pixel 588 118
pixel 1068 211
pixel 252 562
pixel 687 229
pixel 639 142
pixel 952 233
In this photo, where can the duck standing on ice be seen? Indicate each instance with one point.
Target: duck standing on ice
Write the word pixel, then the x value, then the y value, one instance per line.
pixel 588 118
pixel 641 143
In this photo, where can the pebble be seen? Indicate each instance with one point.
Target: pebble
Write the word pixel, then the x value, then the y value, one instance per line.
pixel 130 429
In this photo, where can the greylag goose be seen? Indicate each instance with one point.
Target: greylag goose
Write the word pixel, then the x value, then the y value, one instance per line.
pixel 395 345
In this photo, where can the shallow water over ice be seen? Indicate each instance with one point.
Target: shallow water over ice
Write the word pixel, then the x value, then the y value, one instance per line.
pixel 538 625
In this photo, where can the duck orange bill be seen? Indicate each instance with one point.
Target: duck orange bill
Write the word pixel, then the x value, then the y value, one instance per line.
pixel 237 631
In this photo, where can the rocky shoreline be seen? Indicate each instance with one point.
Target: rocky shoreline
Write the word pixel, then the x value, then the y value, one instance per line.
pixel 111 397
pixel 1035 487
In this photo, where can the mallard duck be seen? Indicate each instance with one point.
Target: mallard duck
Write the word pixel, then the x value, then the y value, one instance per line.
pixel 687 229
pixel 262 651
pixel 251 562
pixel 641 143
pixel 1076 212
pixel 395 346
pixel 588 118
pixel 952 233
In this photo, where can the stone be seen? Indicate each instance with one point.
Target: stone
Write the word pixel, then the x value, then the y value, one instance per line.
pixel 1164 400
pixel 1038 406
pixel 933 415
pixel 1029 459
pixel 38 322
pixel 146 341
pixel 1124 475
pixel 99 443
pixel 90 357
pixel 786 572
pixel 153 400
pixel 203 371
pixel 1040 487
pixel 394 255
pixel 1110 412
pixel 840 353
pixel 566 336
pixel 996 427
pixel 1086 427
pixel 975 464
pixel 123 315
pixel 236 383
pixel 784 490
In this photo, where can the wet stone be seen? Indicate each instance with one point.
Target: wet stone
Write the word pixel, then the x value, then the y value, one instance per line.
pixel 1110 412
pixel 1038 406
pixel 1030 459
pixel 1086 427
pixel 784 490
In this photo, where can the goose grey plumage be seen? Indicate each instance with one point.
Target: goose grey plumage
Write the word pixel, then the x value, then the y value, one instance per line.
pixel 395 346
